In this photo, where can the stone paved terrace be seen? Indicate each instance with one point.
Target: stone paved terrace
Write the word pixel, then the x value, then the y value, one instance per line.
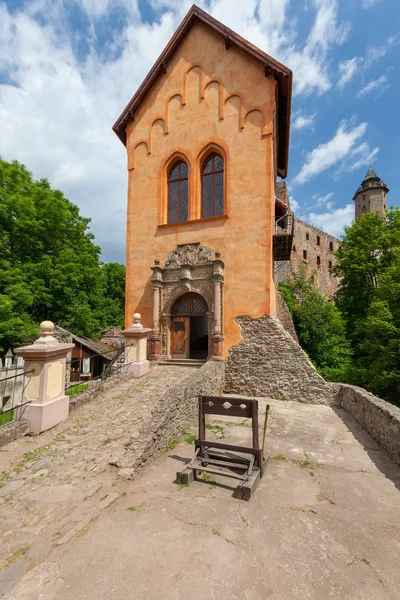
pixel 324 521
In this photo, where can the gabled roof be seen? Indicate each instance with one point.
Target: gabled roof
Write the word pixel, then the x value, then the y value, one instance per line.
pixel 282 74
pixel 96 346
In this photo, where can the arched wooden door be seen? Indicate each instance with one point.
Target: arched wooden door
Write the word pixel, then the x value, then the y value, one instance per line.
pixel 185 315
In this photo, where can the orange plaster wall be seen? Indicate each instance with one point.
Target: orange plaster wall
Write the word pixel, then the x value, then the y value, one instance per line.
pixel 225 100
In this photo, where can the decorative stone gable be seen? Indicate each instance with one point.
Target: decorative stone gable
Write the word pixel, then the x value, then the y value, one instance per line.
pixel 189 254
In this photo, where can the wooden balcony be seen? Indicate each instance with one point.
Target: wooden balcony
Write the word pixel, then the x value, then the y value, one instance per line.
pixel 283 238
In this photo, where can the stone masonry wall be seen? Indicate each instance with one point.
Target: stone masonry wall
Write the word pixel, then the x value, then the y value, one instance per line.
pixel 380 418
pixel 324 279
pixel 177 409
pixel 13 431
pixel 283 314
pixel 268 362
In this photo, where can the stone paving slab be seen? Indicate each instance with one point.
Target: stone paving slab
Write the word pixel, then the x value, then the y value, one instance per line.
pixel 53 485
pixel 323 523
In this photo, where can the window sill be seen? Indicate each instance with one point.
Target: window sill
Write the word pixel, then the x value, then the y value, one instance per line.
pixel 183 223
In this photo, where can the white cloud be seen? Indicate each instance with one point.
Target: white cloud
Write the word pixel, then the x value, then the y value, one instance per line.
pixel 294 205
pixel 381 85
pixel 360 156
pixel 375 53
pixel 323 200
pixel 328 154
pixel 369 3
pixel 301 121
pixel 347 70
pixel 333 221
pixel 64 84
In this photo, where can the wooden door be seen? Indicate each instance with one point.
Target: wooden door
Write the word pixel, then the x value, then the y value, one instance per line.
pixel 180 336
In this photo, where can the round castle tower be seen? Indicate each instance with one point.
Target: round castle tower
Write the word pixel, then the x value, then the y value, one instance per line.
pixel 371 195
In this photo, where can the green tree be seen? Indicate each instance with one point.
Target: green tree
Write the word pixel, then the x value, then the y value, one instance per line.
pixel 319 327
pixel 369 298
pixel 49 265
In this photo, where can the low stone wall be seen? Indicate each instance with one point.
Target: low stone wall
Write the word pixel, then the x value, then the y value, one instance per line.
pixel 14 430
pixel 269 362
pixel 86 396
pixel 283 314
pixel 380 418
pixel 177 409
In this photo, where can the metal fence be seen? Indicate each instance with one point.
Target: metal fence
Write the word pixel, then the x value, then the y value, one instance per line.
pixel 87 381
pixel 12 386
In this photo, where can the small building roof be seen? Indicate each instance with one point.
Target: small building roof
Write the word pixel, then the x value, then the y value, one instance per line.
pixel 282 74
pixel 106 351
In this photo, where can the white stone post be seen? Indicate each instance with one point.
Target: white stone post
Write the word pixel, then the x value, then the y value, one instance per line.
pixel 44 387
pixel 136 348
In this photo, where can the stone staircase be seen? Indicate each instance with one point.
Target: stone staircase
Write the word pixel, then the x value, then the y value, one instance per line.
pixel 183 362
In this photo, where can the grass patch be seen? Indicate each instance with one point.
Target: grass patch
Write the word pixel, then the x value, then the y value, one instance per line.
pixel 303 464
pixel 4 477
pixel 81 387
pixel 132 508
pixel 185 430
pixel 123 494
pixel 6 417
pixel 190 439
pixel 217 429
pixel 172 442
pixel 279 457
pixel 181 486
pixel 207 477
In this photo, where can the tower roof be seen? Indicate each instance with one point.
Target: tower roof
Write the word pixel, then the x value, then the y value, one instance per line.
pixel 371 181
pixel 282 75
pixel 371 175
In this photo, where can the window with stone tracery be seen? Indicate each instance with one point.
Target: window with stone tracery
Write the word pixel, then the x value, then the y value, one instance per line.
pixel 212 186
pixel 178 203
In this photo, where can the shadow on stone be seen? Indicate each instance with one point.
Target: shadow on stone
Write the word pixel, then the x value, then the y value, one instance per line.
pixel 375 451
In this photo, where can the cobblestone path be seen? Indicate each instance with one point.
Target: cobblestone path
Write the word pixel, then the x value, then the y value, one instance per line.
pixel 53 485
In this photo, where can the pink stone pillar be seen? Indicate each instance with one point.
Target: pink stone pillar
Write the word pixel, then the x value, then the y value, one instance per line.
pixel 44 390
pixel 217 335
pixel 155 338
pixel 136 348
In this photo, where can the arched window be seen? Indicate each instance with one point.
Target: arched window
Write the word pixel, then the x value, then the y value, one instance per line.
pixel 178 192
pixel 212 187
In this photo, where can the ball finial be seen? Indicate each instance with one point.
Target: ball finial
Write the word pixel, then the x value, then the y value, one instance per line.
pixel 46 327
pixel 137 317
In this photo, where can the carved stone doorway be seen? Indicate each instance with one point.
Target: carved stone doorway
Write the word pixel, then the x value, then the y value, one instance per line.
pixel 191 275
pixel 190 327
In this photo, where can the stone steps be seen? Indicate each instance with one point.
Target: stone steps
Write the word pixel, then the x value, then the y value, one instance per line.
pixel 182 362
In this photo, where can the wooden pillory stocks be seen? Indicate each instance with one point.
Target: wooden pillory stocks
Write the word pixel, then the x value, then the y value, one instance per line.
pixel 248 469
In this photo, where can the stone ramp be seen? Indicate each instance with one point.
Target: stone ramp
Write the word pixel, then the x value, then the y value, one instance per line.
pixel 323 523
pixel 55 484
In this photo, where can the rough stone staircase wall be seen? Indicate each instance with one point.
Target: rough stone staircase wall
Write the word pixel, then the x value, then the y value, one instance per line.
pixel 269 362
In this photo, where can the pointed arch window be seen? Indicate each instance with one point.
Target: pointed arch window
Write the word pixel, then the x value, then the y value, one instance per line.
pixel 212 186
pixel 178 204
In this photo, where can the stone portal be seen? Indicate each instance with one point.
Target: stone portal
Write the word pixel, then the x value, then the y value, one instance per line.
pixel 188 304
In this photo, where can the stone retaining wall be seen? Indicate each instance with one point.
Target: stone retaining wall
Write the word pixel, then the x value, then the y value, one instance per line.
pixel 177 409
pixel 14 430
pixel 380 418
pixel 269 362
pixel 283 314
pixel 81 398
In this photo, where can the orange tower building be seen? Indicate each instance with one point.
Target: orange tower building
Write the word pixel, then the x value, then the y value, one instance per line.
pixel 206 134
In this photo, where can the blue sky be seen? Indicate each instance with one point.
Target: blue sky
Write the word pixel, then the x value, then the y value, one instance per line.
pixel 68 68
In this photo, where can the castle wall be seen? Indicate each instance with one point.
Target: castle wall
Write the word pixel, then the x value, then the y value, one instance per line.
pixel 209 97
pixel 321 271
